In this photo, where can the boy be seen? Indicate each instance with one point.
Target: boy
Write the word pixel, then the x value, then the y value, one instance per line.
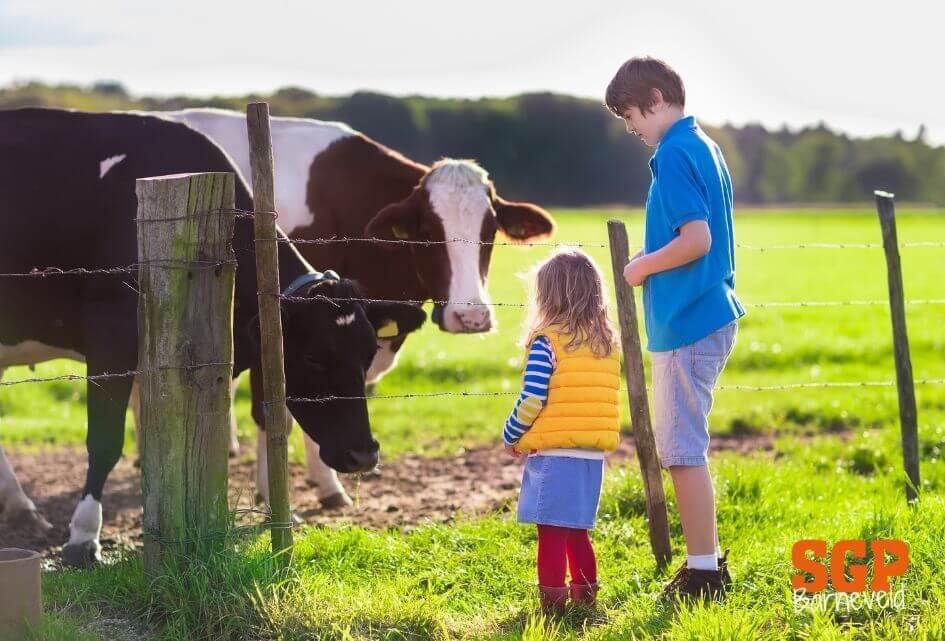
pixel 687 269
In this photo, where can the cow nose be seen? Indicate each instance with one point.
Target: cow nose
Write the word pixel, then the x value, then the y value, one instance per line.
pixel 365 460
pixel 475 319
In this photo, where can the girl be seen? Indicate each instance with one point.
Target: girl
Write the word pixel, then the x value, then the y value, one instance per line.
pixel 564 421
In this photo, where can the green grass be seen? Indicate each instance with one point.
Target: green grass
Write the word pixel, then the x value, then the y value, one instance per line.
pixel 475 579
pixel 775 345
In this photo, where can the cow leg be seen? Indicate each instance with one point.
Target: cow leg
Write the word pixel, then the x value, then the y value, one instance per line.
pixel 330 492
pixel 107 403
pixel 15 506
pixel 262 468
pixel 234 432
pixel 110 348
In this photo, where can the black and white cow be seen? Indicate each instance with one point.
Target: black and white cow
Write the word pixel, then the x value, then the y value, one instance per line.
pixel 67 200
pixel 332 181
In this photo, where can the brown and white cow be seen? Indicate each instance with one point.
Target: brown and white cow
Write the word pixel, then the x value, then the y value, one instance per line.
pixel 334 182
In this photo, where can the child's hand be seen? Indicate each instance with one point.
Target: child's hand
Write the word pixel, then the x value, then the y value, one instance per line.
pixel 635 272
pixel 511 451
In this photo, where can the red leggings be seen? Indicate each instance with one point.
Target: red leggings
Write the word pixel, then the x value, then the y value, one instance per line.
pixel 563 547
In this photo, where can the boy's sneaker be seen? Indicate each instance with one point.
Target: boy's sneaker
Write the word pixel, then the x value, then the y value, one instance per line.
pixel 700 584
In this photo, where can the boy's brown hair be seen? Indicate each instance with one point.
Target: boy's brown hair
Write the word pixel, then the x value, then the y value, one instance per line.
pixel 634 82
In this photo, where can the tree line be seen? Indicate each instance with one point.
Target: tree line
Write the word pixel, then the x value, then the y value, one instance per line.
pixel 566 151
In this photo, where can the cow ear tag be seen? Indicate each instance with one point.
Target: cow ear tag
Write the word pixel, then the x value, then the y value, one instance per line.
pixel 388 329
pixel 399 232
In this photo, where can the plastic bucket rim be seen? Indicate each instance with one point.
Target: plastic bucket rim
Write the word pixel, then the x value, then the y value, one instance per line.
pixel 22 555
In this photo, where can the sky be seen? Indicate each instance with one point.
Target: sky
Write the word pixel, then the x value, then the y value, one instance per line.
pixel 860 67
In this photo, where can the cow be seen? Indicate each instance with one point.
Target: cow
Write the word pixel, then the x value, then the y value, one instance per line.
pixel 67 200
pixel 334 182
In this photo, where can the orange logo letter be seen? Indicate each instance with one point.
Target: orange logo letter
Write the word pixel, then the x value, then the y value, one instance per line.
pixel 882 570
pixel 817 570
pixel 838 561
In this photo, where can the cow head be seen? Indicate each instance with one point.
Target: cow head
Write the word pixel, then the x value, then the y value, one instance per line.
pixel 330 341
pixel 456 201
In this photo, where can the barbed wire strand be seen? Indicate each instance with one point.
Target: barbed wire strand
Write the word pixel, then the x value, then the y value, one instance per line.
pixel 819 303
pixel 399 241
pixel 109 375
pixel 733 387
pixel 134 268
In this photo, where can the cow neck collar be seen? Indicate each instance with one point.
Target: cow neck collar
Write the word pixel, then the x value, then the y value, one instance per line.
pixel 309 278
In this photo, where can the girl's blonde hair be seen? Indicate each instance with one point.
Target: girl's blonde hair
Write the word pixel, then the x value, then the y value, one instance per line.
pixel 569 292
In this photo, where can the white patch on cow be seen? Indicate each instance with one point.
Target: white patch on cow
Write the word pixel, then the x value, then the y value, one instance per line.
pixel 295 144
pixel 384 360
pixel 345 320
pixel 86 523
pixel 32 352
pixel 325 479
pixel 459 194
pixel 108 163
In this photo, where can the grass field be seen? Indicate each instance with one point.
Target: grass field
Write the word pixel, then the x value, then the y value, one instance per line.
pixel 775 345
pixel 833 473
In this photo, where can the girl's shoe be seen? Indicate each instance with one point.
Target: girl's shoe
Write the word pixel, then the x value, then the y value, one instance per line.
pixel 553 600
pixel 585 593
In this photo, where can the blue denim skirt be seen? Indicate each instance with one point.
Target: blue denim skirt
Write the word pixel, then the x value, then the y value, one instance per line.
pixel 560 490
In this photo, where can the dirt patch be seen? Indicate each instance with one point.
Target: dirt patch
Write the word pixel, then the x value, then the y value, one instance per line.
pixel 404 493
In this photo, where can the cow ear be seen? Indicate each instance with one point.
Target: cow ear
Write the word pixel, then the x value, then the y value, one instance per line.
pixel 392 319
pixel 523 221
pixel 397 221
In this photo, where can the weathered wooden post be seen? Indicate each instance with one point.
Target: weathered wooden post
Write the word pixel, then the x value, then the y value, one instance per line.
pixel 185 355
pixel 908 414
pixel 636 391
pixel 270 326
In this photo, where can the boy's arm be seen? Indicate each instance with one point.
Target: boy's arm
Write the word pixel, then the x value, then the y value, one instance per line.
pixel 693 242
pixel 681 191
pixel 534 394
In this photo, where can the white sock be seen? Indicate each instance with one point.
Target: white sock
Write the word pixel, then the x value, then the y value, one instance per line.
pixel 702 561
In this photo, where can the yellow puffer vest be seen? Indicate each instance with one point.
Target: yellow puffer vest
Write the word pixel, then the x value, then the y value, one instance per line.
pixel 583 408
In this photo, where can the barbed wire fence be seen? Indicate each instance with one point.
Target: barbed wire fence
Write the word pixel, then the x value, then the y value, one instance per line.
pixel 905 383
pixel 133 269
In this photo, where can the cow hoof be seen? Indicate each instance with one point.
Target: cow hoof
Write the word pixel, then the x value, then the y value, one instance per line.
pixel 30 520
pixel 336 500
pixel 82 555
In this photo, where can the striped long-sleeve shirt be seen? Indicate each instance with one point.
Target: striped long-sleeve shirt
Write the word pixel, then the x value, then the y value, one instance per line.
pixel 534 394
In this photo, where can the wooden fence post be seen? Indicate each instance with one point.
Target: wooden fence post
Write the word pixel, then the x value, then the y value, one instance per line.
pixel 185 354
pixel 908 414
pixel 636 391
pixel 270 327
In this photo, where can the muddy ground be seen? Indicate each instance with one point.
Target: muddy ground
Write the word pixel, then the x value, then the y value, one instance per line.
pixel 403 493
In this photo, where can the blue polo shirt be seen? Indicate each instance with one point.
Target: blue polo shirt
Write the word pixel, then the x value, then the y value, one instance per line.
pixel 690 182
